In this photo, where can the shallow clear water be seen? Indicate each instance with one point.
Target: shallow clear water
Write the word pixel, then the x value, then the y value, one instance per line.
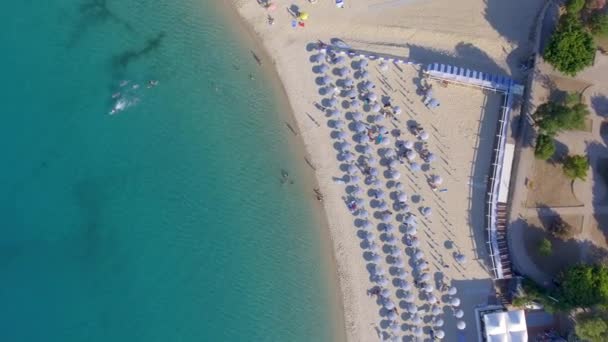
pixel 167 221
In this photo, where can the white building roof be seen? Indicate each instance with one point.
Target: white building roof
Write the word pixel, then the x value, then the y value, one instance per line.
pixel 506 326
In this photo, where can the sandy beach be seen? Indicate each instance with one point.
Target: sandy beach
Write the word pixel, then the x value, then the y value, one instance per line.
pixel 482 35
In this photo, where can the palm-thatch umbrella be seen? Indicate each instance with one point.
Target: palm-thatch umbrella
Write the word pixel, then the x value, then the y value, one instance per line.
pixel 461 325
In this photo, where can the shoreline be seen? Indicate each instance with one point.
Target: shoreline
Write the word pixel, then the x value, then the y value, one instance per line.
pixel 255 44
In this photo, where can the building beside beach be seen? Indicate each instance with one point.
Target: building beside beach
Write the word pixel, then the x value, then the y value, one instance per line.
pixel 496 324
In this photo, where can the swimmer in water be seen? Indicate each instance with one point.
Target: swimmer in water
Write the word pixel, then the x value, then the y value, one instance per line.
pixel 124 83
pixel 135 86
pixel 251 77
pixel 152 83
pixel 115 95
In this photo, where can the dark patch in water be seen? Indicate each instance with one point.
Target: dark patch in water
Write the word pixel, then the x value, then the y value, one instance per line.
pixel 92 13
pixel 123 60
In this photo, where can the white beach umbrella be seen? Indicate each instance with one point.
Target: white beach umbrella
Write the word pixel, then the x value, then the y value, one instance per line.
pixel 333 112
pixel 348 156
pixel 376 182
pixel 410 155
pixel 438 323
pixel 461 258
pixel 364 74
pixel 405 207
pixel 394 174
pixel 419 255
pixel 375 107
pixel 431 157
pixel 417 331
pixel 426 211
pixel 389 305
pixel 373 172
pixel 357 115
pixel 352 169
pixel 452 290
pixel 436 311
pixel 383 66
pixel 323 68
pixel 382 281
pixel 363 139
pixel 385 217
pixel 383 130
pixel 319 57
pixel 410 219
pixel 359 127
pixel 363 63
pixel 395 251
pixel 368 85
pixel 391 239
pixel 400 272
pixel 398 261
pixel 378 193
pixel 332 102
pixel 409 297
pixel 385 141
pixel 436 180
pixel 342 71
pixel 385 293
pixel 376 257
pixel 371 160
pixel 455 302
pixel 395 327
pixel 461 325
pixel 344 146
pixel 415 167
pixel 425 277
pixel 411 230
pixel 325 80
pixel 416 319
pixel 377 118
pixel 369 236
pixel 365 224
pixel 439 334
pixel 408 144
pixel 360 202
pixel 350 93
pixel 339 59
pixel 366 149
pixel 355 103
pixel 397 110
pixel 424 136
pixel 389 152
pixel 353 179
pixel 373 246
pixel 339 124
pixel 329 90
pixel 423 265
pixel 341 135
pixel 392 315
pixel 372 97
pixel 431 299
pixel 415 243
pixel 458 313
pixel 411 308
pixel 389 228
pixel 348 82
pixel 402 196
pixel 393 163
pixel 428 288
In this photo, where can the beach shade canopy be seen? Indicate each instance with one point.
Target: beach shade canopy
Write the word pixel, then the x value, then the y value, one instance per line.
pixel 415 243
pixel 363 214
pixel 325 80
pixel 437 180
pixel 408 144
pixel 352 168
pixel 431 299
pixel 452 290
pixel 345 146
pixel 425 277
pixel 364 139
pixel 385 293
pixel 360 201
pixel 363 63
pixel 461 258
pixel 376 257
pixel 461 325
pixel 389 305
pixel 382 205
pixel 389 153
pixel 410 219
pixel 424 136
pixel 371 160
pixel 364 74
pixel 402 196
pixel 350 93
pixel 431 157
pixel 377 118
pixel 394 174
pixel 369 236
pixel 339 59
pixel 411 308
pixel 392 315
pixel 373 171
pixel 395 251
pixel 375 107
pixel 323 68
pixel 341 135
pixel 436 311
pixel 348 156
pixel 355 103
pixel 339 124
pixel 359 127
pixel 333 112
pixel 439 334
pixel 383 66
pixel 318 57
pixel 353 179
pixel 389 228
pixel 377 182
pixel 342 71
pixel 438 322
pixel 382 281
pixel 458 313
pixel 372 96
pixel 348 82
pixel 332 102
pixel 398 261
pixel 401 272
pixel 455 301
pixel 416 319
pixel 428 288
pixel 419 255
pixel 385 217
pixel 329 90
pixel 410 155
pixel 357 115
pixel 405 207
pixel 426 211
pixel 391 239
pixel 409 297
pixel 383 130
pixel 417 331
pixel 411 230
pixel 356 190
pixel 423 265
pixel 368 85
pixel 372 246
pixel 395 326
pixel 393 163
pixel 366 149
pixel 397 110
pixel 415 167
pixel 378 193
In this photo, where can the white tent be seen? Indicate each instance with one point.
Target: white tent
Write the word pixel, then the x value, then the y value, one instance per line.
pixel 506 326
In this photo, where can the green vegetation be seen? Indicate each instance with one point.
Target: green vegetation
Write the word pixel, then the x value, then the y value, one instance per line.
pixel 576 166
pixel 536 294
pixel 544 247
pixel 545 147
pixel 552 117
pixel 592 328
pixel 575 6
pixel 598 23
pixel 583 286
pixel 561 229
pixel 571 48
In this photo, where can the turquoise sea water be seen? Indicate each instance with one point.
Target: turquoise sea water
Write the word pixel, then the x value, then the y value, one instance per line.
pixel 167 221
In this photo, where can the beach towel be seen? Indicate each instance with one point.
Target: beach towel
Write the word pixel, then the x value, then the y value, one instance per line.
pixel 340 3
pixel 294 23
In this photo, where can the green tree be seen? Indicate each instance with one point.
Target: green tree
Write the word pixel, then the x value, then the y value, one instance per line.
pixel 591 328
pixel 583 286
pixel 576 166
pixel 545 147
pixel 598 23
pixel 592 5
pixel 571 48
pixel 575 6
pixel 544 247
pixel 552 117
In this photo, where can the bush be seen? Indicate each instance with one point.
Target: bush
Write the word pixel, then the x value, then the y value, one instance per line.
pixel 544 247
pixel 576 166
pixel 598 23
pixel 583 286
pixel 545 147
pixel 575 6
pixel 552 117
pixel 561 229
pixel 592 328
pixel 571 48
